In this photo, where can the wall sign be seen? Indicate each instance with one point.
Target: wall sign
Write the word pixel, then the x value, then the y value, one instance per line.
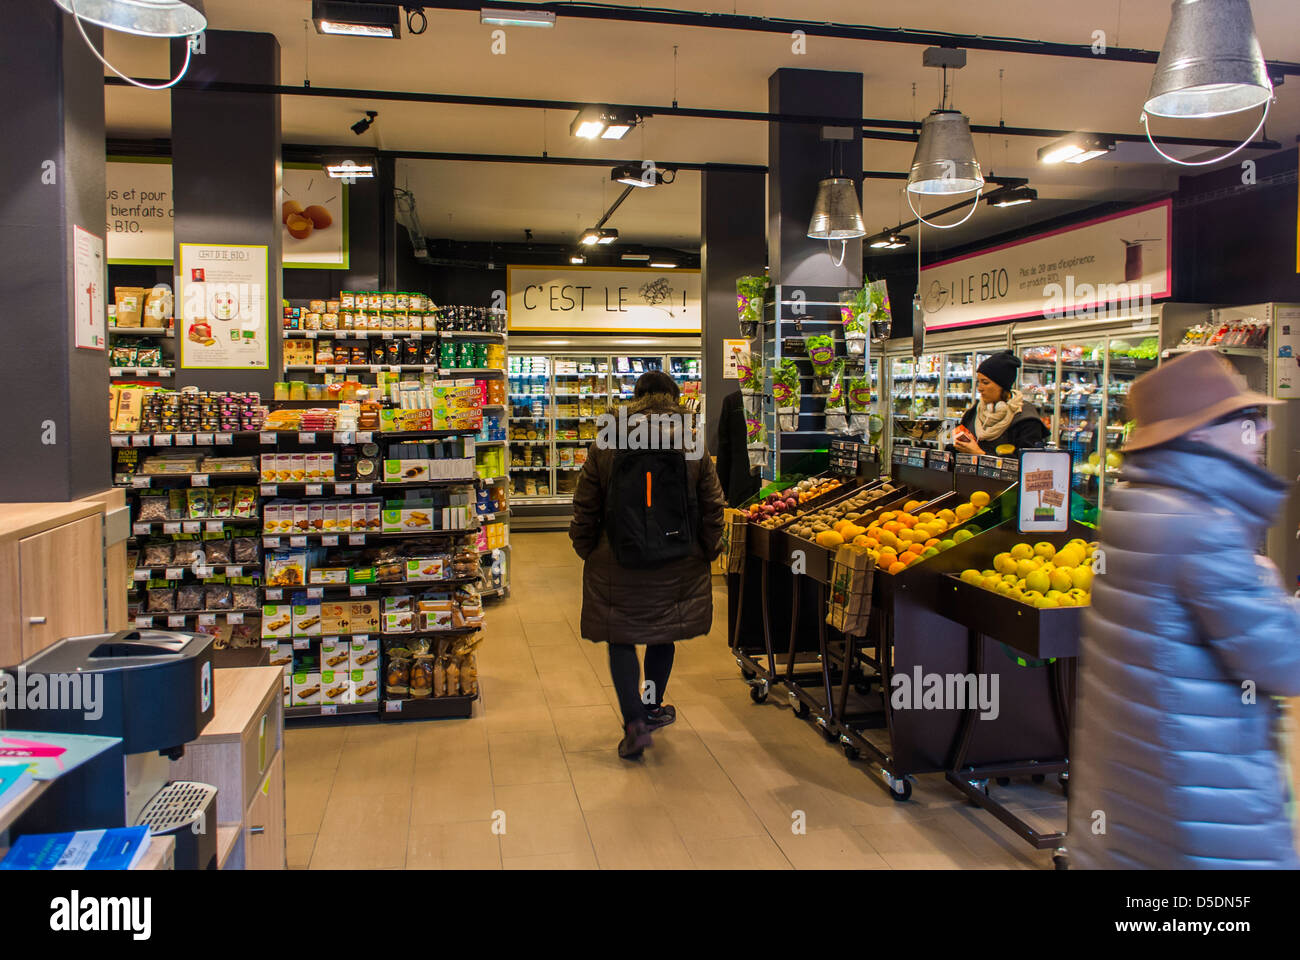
pixel 1044 491
pixel 603 299
pixel 222 307
pixel 139 214
pixel 732 353
pixel 1111 266
pixel 88 280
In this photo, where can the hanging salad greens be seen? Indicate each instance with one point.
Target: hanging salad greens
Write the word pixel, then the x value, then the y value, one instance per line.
pixel 749 303
pixel 751 373
pixel 821 351
pixel 836 401
pixel 786 393
pixel 858 392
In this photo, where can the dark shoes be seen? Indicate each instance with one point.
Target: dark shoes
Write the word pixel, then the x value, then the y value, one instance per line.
pixel 657 717
pixel 636 738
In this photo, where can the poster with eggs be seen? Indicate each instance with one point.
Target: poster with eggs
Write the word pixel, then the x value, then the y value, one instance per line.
pixel 221 307
pixel 313 219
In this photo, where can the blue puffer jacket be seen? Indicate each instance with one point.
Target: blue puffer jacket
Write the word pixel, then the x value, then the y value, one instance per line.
pixel 1186 774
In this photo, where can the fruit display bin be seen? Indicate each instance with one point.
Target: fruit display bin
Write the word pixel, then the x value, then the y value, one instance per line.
pixel 769 542
pixel 1041 634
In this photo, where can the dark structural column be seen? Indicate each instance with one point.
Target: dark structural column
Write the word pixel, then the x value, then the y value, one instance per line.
pixel 797 158
pixel 226 175
pixel 732 244
pixel 54 429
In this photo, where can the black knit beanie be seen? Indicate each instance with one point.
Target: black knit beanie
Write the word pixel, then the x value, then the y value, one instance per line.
pixel 1001 368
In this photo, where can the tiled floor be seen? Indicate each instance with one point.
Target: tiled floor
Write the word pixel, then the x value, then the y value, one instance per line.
pixel 532 780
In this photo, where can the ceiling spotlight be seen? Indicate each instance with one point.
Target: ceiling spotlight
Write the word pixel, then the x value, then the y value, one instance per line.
pixel 635 256
pixel 649 176
pixel 362 125
pixel 156 18
pixel 343 18
pixel 889 241
pixel 577 258
pixel 603 122
pixel 350 170
pixel 663 264
pixel 1013 197
pixel 516 18
pixel 607 236
pixel 1076 148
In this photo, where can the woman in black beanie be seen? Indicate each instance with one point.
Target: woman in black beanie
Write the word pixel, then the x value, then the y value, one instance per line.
pixel 1001 422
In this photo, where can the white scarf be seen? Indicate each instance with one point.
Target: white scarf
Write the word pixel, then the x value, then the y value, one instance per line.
pixel 991 421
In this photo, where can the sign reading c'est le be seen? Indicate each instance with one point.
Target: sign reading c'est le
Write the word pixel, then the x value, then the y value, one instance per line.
pixel 603 299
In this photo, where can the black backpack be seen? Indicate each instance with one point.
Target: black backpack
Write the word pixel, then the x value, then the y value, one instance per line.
pixel 651 513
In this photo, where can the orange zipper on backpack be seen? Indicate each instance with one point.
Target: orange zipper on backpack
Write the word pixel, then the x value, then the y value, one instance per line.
pixel 647 488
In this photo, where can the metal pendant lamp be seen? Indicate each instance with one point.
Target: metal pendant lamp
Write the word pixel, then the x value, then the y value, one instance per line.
pixel 945 161
pixel 146 18
pixel 836 212
pixel 1211 64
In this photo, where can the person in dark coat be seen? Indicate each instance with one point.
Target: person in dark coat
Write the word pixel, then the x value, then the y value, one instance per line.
pixel 1000 422
pixel 653 606
pixel 739 480
pixel 1175 761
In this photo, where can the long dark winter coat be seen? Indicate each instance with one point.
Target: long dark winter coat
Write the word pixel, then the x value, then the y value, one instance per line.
pixel 660 605
pixel 1185 774
pixel 1026 429
pixel 739 482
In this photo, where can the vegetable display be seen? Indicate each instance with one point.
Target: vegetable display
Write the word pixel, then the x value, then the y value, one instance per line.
pixel 821 351
pixel 749 303
pixel 837 401
pixel 787 394
pixel 859 402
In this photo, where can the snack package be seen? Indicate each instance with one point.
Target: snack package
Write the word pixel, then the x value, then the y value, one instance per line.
pixel 190 597
pixel 162 600
pixel 219 550
pixel 187 552
pixel 245 502
pixel 158 305
pixel 245 596
pixel 152 508
pixel 158 554
pixel 218 597
pixel 451 676
pixel 244 550
pixel 786 394
pixel 130 305
pixel 198 502
pixel 222 501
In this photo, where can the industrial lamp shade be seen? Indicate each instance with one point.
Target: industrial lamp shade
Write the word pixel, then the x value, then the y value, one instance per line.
pixel 147 18
pixel 945 161
pixel 1210 64
pixel 836 213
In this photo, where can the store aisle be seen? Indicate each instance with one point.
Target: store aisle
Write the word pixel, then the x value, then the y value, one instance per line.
pixel 723 787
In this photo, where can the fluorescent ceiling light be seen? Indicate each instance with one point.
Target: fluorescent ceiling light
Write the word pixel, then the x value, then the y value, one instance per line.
pixel 577 258
pixel 1013 197
pixel 589 237
pixel 516 18
pixel 346 169
pixel 607 236
pixel 889 241
pixel 342 18
pixel 663 264
pixel 1076 148
pixel 145 18
pixel 604 122
pixel 616 131
pixel 635 256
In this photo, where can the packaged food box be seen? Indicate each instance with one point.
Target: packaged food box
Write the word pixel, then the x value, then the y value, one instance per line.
pixel 283 467
pixel 335 654
pixel 336 686
pixel 399 603
pixel 312 461
pixel 365 686
pixel 365 616
pixel 280 654
pixel 306 620
pixel 430 568
pixel 417 519
pixel 364 653
pixel 360 575
pixel 316 516
pixel 360 517
pixel 286 569
pixel 277 620
pixel 406 471
pixel 306 688
pixel 335 618
pixel 302 518
pixel 399 622
pixel 332 518
pixel 436 615
pixel 327 466
pixel 329 575
pixel 267 468
pixel 298 470
pixel 391 521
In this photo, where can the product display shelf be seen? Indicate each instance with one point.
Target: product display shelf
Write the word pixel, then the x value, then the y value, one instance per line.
pixel 140 371
pixel 165 332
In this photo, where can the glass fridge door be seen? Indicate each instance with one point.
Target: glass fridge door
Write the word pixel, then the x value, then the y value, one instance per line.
pixel 918 400
pixel 529 425
pixel 581 395
pixel 626 370
pixel 1082 396
pixel 685 370
pixel 1127 359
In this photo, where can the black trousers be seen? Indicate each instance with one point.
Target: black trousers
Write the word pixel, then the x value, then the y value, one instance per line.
pixel 625 669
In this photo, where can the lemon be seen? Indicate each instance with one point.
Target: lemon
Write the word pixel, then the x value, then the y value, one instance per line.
pixel 1043 603
pixel 1038 581
pixel 1065 600
pixel 926 517
pixel 993 583
pixel 1022 551
pixel 911 505
pixel 1044 549
pixel 1061 580
pixel 947 544
pixel 947 516
pixel 990 573
pixel 961 536
pixel 1081 577
pixel 971 576
pixel 929 552
pixel 1070 555
pixel 1025 567
pixel 979 498
pixel 1004 563
pixel 1004 588
pixel 964 512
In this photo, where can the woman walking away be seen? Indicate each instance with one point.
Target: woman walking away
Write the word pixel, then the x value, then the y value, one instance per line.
pixel 1175 762
pixel 1000 422
pixel 647 521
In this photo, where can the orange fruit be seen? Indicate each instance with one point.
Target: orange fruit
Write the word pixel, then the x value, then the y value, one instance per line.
pixel 871 542
pixel 932 542
pixel 915 548
pixel 861 541
pixel 909 558
pixel 893 526
pixel 896 567
pixel 888 558
pixel 888 515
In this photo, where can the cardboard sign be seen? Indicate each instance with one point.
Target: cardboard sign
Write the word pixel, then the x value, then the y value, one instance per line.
pixel 1044 491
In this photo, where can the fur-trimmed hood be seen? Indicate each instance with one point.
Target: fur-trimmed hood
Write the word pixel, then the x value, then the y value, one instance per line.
pixel 651 403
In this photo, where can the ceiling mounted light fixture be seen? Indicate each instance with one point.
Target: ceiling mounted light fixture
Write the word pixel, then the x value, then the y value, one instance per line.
pixel 606 123
pixel 597 235
pixel 944 163
pixel 516 18
pixel 350 170
pixel 144 18
pixel 890 241
pixel 1012 197
pixel 1076 148
pixel 343 18
pixel 663 264
pixel 647 175
pixel 1210 65
pixel 577 258
pixel 635 256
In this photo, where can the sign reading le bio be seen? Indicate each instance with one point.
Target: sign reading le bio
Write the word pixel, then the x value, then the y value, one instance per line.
pixel 603 299
pixel 1111 267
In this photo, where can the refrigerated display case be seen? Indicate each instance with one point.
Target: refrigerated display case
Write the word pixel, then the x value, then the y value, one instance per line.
pixel 528 432
pixel 581 395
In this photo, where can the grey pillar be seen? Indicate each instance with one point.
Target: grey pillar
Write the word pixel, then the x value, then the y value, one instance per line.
pixel 732 244
pixel 226 175
pixel 797 158
pixel 54 431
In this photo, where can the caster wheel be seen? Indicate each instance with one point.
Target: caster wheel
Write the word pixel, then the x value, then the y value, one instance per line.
pixel 903 795
pixel 1060 862
pixel 1038 778
pixel 830 735
pixel 801 711
pixel 851 752
pixel 757 694
pixel 1002 781
pixel 747 674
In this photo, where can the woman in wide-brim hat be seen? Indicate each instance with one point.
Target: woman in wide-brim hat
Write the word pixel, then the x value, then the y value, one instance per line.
pixel 1174 759
pixel 1001 421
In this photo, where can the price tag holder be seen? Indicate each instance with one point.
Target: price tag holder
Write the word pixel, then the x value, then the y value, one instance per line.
pixel 199 480
pixel 340 368
pixel 315 489
pixel 395 367
pixel 301 643
pixel 354 591
pixel 356 539
pixel 342 436
pixel 139 481
pixel 162 439
pixel 141 573
pixel 315 593
pixel 119 440
pixel 269 490
pixel 266 438
pixel 319 368
pixel 274 593
pixel 191 526
pixel 207 619
pixel 298 541
pixel 376 367
pixel 172 526
pixel 174 573
pixel 386 334
pixel 329 540
pixel 184 439
pixel 144 621
pixel 139 528
pixel 273 542
pixel 329 709
pixel 202 571
pixel 365 488
pixel 393 706
pixel 938 459
pixel 342 489
pixel 224 439
pixel 215 526
pixel 234 571
pixel 966 464
pixel 306 436
pixel 139 439
pixel 365 436
pixel 175 621
pixel 234 618
pixel 203 439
